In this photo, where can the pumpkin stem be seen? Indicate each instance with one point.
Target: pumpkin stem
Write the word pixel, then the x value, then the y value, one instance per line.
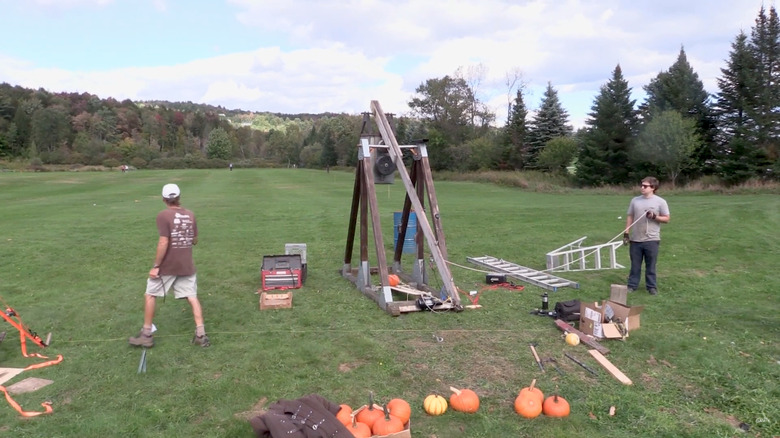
pixel 455 390
pixel 533 383
pixel 387 412
pixel 370 400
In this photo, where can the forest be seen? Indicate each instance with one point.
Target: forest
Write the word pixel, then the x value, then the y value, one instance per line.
pixel 680 132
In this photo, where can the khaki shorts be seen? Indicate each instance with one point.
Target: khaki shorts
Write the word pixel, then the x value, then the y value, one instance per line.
pixel 183 286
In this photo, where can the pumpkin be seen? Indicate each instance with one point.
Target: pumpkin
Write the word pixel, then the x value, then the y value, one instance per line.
pixel 528 405
pixel 393 279
pixel 387 424
pixel 532 390
pixel 435 405
pixel 359 430
pixel 370 413
pixel 572 339
pixel 555 406
pixel 345 414
pixel 464 400
pixel 400 409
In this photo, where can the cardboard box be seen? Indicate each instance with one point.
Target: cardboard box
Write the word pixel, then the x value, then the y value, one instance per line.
pixel 608 319
pixel 406 433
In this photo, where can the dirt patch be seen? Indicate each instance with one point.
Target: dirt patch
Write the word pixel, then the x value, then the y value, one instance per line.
pixel 258 409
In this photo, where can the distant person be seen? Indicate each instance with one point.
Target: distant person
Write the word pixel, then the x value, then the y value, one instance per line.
pixel 124 168
pixel 173 267
pixel 644 236
pixel 231 167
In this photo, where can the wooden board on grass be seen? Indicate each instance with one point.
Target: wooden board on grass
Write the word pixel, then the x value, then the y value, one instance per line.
pixel 7 374
pixel 612 369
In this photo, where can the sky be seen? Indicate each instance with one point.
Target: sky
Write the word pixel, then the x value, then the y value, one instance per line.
pixel 315 56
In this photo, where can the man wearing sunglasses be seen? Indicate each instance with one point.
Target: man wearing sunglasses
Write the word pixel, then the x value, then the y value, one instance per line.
pixel 649 211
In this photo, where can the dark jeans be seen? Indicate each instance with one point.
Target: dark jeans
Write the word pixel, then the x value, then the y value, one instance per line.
pixel 649 252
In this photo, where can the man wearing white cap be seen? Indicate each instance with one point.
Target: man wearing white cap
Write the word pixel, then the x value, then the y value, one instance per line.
pixel 173 267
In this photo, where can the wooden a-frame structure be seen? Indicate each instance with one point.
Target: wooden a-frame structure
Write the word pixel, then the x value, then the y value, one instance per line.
pixel 365 206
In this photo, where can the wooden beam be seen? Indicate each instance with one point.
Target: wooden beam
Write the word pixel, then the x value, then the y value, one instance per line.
pixel 585 339
pixel 422 220
pixel 612 369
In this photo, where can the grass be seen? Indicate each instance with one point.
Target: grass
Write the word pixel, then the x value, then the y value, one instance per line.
pixel 75 249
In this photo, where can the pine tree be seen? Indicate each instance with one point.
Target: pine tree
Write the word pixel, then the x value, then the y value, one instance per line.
pixel 765 46
pixel 680 89
pixel 515 132
pixel 739 154
pixel 611 130
pixel 551 121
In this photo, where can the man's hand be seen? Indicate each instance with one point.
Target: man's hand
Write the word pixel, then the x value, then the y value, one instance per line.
pixel 154 272
pixel 651 214
pixel 625 239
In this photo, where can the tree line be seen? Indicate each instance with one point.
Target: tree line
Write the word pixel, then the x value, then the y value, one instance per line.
pixel 679 132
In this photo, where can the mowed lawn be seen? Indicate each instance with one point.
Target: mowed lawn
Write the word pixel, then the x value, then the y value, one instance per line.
pixel 75 249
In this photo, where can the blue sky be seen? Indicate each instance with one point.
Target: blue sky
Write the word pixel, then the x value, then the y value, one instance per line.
pixel 296 56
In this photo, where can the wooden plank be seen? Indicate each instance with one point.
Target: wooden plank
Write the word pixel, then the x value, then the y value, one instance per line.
pixel 275 301
pixel 585 339
pixel 612 369
pixel 7 374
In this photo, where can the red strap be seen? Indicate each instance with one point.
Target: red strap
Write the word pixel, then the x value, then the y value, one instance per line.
pixel 46 406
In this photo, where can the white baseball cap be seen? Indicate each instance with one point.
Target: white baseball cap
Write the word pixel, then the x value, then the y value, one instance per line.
pixel 171 191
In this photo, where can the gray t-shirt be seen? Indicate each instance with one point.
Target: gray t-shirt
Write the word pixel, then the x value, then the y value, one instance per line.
pixel 645 229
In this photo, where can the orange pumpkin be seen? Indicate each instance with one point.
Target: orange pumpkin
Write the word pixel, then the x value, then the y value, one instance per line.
pixel 400 409
pixel 464 400
pixel 532 390
pixel 556 406
pixel 528 405
pixel 393 279
pixel 387 424
pixel 359 430
pixel 345 414
pixel 370 413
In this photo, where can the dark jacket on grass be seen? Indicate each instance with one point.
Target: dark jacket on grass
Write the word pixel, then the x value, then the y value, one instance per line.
pixel 311 416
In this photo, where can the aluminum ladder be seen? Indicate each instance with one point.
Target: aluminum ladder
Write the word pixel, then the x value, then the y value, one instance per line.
pixel 528 275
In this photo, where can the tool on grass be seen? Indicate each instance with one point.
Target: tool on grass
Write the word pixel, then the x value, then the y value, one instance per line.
pixel 536 356
pixel 554 363
pixel 142 364
pixel 589 369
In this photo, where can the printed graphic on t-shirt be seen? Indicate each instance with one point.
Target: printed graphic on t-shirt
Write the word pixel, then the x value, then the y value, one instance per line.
pixel 182 232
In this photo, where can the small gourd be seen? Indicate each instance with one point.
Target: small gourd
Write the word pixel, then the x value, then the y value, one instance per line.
pixel 370 413
pixel 556 406
pixel 387 424
pixel 345 414
pixel 464 400
pixel 400 409
pixel 435 405
pixel 572 339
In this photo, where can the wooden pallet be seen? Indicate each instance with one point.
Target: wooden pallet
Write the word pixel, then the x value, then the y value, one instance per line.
pixel 275 301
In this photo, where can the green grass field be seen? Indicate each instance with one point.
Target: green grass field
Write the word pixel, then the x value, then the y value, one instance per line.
pixel 75 249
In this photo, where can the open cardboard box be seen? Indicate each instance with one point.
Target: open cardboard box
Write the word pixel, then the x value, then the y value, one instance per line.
pixel 594 319
pixel 406 433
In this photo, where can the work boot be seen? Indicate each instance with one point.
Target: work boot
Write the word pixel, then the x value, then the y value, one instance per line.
pixel 203 341
pixel 652 291
pixel 142 340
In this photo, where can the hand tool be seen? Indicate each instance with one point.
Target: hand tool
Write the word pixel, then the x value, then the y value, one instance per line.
pixel 536 356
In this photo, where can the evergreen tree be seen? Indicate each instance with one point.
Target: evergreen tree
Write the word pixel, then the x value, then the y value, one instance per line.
pixel 680 89
pixel 550 121
pixel 765 45
pixel 739 153
pixel 515 132
pixel 612 125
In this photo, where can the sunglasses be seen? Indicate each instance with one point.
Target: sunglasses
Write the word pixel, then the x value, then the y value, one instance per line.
pixel 644 186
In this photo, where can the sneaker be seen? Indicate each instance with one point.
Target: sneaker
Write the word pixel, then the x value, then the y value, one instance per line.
pixel 631 289
pixel 652 291
pixel 142 340
pixel 203 341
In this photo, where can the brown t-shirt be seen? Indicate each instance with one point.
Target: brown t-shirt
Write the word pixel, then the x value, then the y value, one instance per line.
pixel 179 226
